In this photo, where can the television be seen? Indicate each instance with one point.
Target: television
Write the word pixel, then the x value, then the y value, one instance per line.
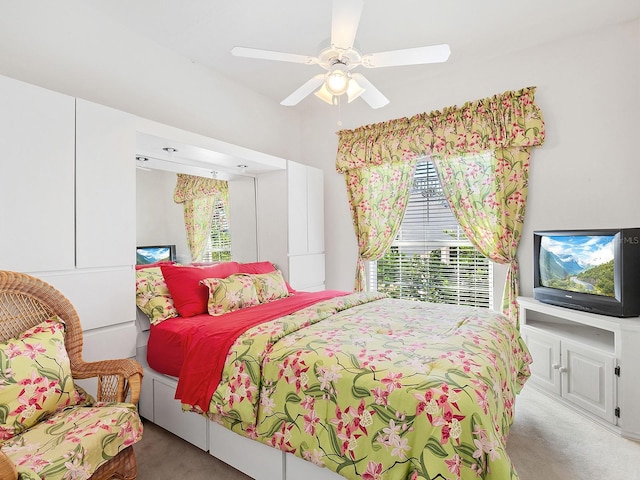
pixel 595 270
pixel 155 253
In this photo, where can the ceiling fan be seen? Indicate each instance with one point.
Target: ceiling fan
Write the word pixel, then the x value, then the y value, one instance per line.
pixel 340 58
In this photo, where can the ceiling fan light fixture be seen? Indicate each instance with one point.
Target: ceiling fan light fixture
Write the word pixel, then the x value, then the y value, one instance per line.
pixel 324 94
pixel 340 55
pixel 337 81
pixel 353 91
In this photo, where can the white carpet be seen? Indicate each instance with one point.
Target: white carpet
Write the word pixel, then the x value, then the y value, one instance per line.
pixel 550 441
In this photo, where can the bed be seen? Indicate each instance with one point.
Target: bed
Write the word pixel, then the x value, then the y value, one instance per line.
pixel 363 385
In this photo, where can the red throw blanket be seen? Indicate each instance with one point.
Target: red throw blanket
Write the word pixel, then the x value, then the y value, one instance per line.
pixel 207 348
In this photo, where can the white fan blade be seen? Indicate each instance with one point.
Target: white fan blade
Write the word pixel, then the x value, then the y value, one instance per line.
pixel 408 56
pixel 344 22
pixel 271 55
pixel 371 94
pixel 303 91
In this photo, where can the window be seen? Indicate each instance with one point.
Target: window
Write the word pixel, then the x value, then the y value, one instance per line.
pixel 431 259
pixel 218 246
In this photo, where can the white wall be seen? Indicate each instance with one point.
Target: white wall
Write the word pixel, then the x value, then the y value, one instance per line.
pixel 588 87
pixel 159 220
pixel 586 173
pixel 66 47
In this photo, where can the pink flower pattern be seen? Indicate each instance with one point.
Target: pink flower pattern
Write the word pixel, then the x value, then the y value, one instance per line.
pixel 69 423
pixel 428 391
pixel 506 125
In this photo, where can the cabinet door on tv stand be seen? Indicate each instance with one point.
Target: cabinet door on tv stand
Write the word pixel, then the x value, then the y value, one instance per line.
pixel 589 379
pixel 545 351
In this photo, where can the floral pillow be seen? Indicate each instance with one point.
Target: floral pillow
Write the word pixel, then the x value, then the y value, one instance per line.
pixel 152 295
pixel 232 293
pixel 270 286
pixel 35 378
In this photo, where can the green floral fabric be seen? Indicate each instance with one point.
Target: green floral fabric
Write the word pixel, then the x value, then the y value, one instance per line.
pixel 35 377
pixel 153 296
pixel 378 198
pixel 229 294
pixel 199 196
pixel 75 442
pixel 375 388
pixel 52 429
pixel 510 120
pixel 488 193
pixel 270 286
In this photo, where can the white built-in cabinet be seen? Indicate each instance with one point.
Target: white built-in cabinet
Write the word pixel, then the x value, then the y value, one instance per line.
pixel 305 200
pixel 242 219
pixel 587 361
pixel 105 186
pixel 290 223
pixel 37 188
pixel 67 212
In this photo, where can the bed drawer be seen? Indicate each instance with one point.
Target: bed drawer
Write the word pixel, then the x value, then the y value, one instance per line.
pixel 168 414
pixel 266 463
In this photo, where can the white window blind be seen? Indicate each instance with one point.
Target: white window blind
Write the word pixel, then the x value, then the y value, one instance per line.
pixel 431 259
pixel 219 242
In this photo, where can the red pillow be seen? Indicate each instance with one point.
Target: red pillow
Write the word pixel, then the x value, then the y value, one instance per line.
pixel 257 267
pixel 189 297
pixel 262 267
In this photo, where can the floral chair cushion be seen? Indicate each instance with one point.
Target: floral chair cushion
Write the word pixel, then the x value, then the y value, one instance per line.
pixel 75 442
pixel 35 377
pixel 231 293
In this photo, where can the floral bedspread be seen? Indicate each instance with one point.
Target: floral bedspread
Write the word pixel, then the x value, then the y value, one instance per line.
pixel 379 388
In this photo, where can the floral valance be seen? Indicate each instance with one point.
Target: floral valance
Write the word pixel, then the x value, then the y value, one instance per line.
pixel 510 119
pixel 190 187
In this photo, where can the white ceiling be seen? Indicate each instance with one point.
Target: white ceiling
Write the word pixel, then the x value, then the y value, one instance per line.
pixel 206 30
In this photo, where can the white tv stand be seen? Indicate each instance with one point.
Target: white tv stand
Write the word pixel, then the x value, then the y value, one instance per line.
pixel 587 361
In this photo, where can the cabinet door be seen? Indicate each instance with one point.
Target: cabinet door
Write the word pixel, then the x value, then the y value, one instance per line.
pixel 588 379
pixel 315 210
pixel 271 208
pixel 545 350
pixel 242 219
pixel 105 186
pixel 305 186
pixel 297 206
pixel 37 180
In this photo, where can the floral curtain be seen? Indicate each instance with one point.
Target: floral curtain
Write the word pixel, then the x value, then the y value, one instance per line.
pixel 199 196
pixel 488 192
pixel 507 121
pixel 378 198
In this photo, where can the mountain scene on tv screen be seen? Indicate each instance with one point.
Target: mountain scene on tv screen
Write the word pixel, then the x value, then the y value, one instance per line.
pixel 578 264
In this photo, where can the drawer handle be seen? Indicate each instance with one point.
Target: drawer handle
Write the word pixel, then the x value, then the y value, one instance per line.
pixel 556 366
pixel 563 369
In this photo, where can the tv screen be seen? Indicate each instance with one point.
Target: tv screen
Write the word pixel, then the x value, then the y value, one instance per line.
pixel 155 253
pixel 595 270
pixel 578 263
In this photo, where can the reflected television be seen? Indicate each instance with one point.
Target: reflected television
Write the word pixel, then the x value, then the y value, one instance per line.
pixel 155 253
pixel 596 271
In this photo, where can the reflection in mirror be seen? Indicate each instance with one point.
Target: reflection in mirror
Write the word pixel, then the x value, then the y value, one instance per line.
pixel 161 221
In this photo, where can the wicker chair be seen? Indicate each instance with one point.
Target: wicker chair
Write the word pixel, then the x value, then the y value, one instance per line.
pixel 25 301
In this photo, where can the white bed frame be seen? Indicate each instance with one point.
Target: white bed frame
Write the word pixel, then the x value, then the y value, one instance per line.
pixel 255 459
